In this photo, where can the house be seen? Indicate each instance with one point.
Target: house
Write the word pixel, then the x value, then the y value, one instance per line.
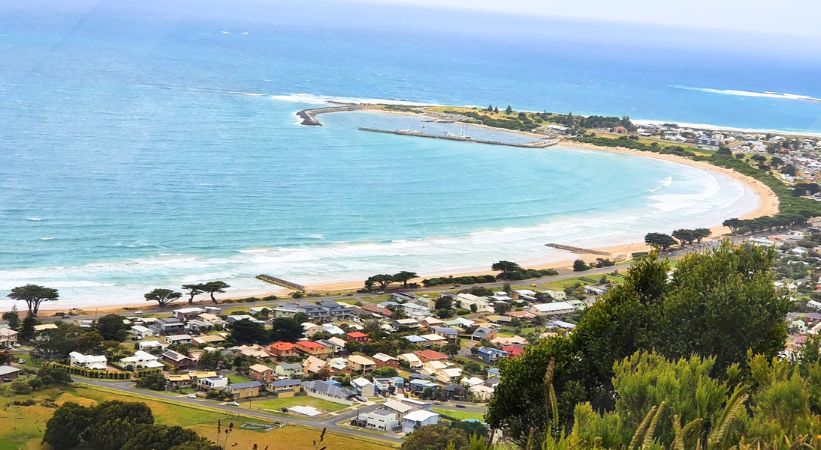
pixel 446 332
pixel 418 418
pixel 283 350
pixel 234 318
pixel 213 319
pixel 207 339
pixel 382 418
pixel 314 312
pixel 163 327
pixel 176 381
pixel 339 366
pixel 212 383
pixel 377 310
pixel 359 363
pixel 401 409
pixel 141 332
pixel 469 301
pixel 8 373
pixel 313 349
pixel 556 295
pixel 177 339
pixel 44 327
pixel 338 344
pixel 501 297
pixel 449 374
pixel 388 386
pixel 253 351
pixel 413 339
pixel 434 340
pixel 332 329
pixel 431 367
pixel 430 355
pixel 406 324
pixel 312 364
pixel 513 340
pixel 513 350
pixel 8 338
pixel 595 290
pixel 419 385
pixel 383 360
pixel 412 360
pixel 336 311
pixel 481 392
pixel 77 359
pixel 363 387
pixel 522 315
pixel 357 336
pixel 186 314
pixel 286 388
pixel 328 391
pixel 490 354
pixel 552 309
pixel 151 345
pixel 483 333
pixel 461 322
pixel 431 321
pixel 285 369
pixel 141 360
pixel 247 389
pixel 261 373
pixel 414 311
pixel 524 294
pixel 178 360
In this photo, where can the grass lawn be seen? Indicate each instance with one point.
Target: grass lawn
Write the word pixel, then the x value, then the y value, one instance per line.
pixel 26 424
pixel 278 403
pixel 234 378
pixel 460 414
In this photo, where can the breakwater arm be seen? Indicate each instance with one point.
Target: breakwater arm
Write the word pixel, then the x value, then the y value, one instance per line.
pixel 308 116
pixel 539 143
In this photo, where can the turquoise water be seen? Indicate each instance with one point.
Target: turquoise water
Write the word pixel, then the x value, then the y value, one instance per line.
pixel 143 150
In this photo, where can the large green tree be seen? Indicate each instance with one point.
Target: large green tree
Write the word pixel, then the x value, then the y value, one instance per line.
pixel 215 287
pixel 659 240
pixel 162 296
pixel 34 295
pixel 246 332
pixel 286 329
pixel 65 428
pixel 112 327
pixel 192 290
pixel 717 304
pixel 404 276
pixel 508 268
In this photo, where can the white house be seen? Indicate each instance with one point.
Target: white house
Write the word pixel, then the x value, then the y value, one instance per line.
pixel 412 360
pixel 150 345
pixel 77 359
pixel 8 337
pixel 141 360
pixel 556 295
pixel 364 387
pixel 467 300
pixel 212 383
pixel 552 309
pixel 141 332
pixel 381 418
pixel 418 418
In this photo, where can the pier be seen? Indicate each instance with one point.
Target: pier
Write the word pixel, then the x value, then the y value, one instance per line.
pixel 577 250
pixel 541 143
pixel 308 116
pixel 280 282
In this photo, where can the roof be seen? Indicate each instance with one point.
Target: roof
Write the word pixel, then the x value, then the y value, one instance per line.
pixel 430 354
pixel 397 406
pixel 420 415
pixel 356 335
pixel 311 345
pixel 555 306
pixel 282 346
pixel 433 337
pixel 383 357
pixel 246 385
pixel 260 368
pixel 414 339
pixel 360 382
pixel 6 370
pixel 288 382
pixel 328 389
pixel 361 360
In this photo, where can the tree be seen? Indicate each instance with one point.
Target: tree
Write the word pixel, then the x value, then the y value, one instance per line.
pixel 112 327
pixel 27 329
pixel 435 437
pixel 580 266
pixel 193 290
pixel 444 302
pixel 501 308
pixel 65 428
pixel 701 233
pixel 161 437
pixel 213 287
pixel 383 280
pixel 34 295
pixel 246 332
pixel 13 318
pixel 66 338
pixel 210 360
pixel 404 276
pixel 496 110
pixel 659 240
pixel 154 381
pixel 685 236
pixel 113 422
pixel 733 224
pixel 286 329
pixel 507 268
pixel 162 296
pixel 385 372
pixel 508 110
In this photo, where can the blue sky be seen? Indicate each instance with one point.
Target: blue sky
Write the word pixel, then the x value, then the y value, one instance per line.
pixel 789 17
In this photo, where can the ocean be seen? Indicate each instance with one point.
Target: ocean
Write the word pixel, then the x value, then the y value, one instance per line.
pixel 144 146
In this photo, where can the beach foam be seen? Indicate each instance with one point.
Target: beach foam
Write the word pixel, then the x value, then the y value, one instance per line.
pixel 743 93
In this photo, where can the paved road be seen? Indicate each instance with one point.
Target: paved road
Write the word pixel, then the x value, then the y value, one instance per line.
pixel 326 421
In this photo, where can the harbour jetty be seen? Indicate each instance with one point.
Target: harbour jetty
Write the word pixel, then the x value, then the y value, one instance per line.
pixel 308 116
pixel 280 282
pixel 577 250
pixel 539 143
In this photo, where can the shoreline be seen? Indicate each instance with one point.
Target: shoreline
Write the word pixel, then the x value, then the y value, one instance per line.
pixel 767 204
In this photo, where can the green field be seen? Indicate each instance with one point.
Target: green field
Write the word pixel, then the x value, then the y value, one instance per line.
pixel 276 404
pixel 460 414
pixel 24 425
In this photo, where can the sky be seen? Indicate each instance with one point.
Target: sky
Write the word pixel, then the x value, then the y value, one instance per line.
pixel 787 17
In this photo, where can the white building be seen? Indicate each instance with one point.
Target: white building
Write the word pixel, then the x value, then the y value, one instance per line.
pixel 552 309
pixel 556 295
pixel 141 332
pixel 77 359
pixel 141 360
pixel 381 418
pixel 418 418
pixel 468 300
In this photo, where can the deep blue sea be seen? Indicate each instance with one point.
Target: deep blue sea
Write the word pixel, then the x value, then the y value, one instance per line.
pixel 148 146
